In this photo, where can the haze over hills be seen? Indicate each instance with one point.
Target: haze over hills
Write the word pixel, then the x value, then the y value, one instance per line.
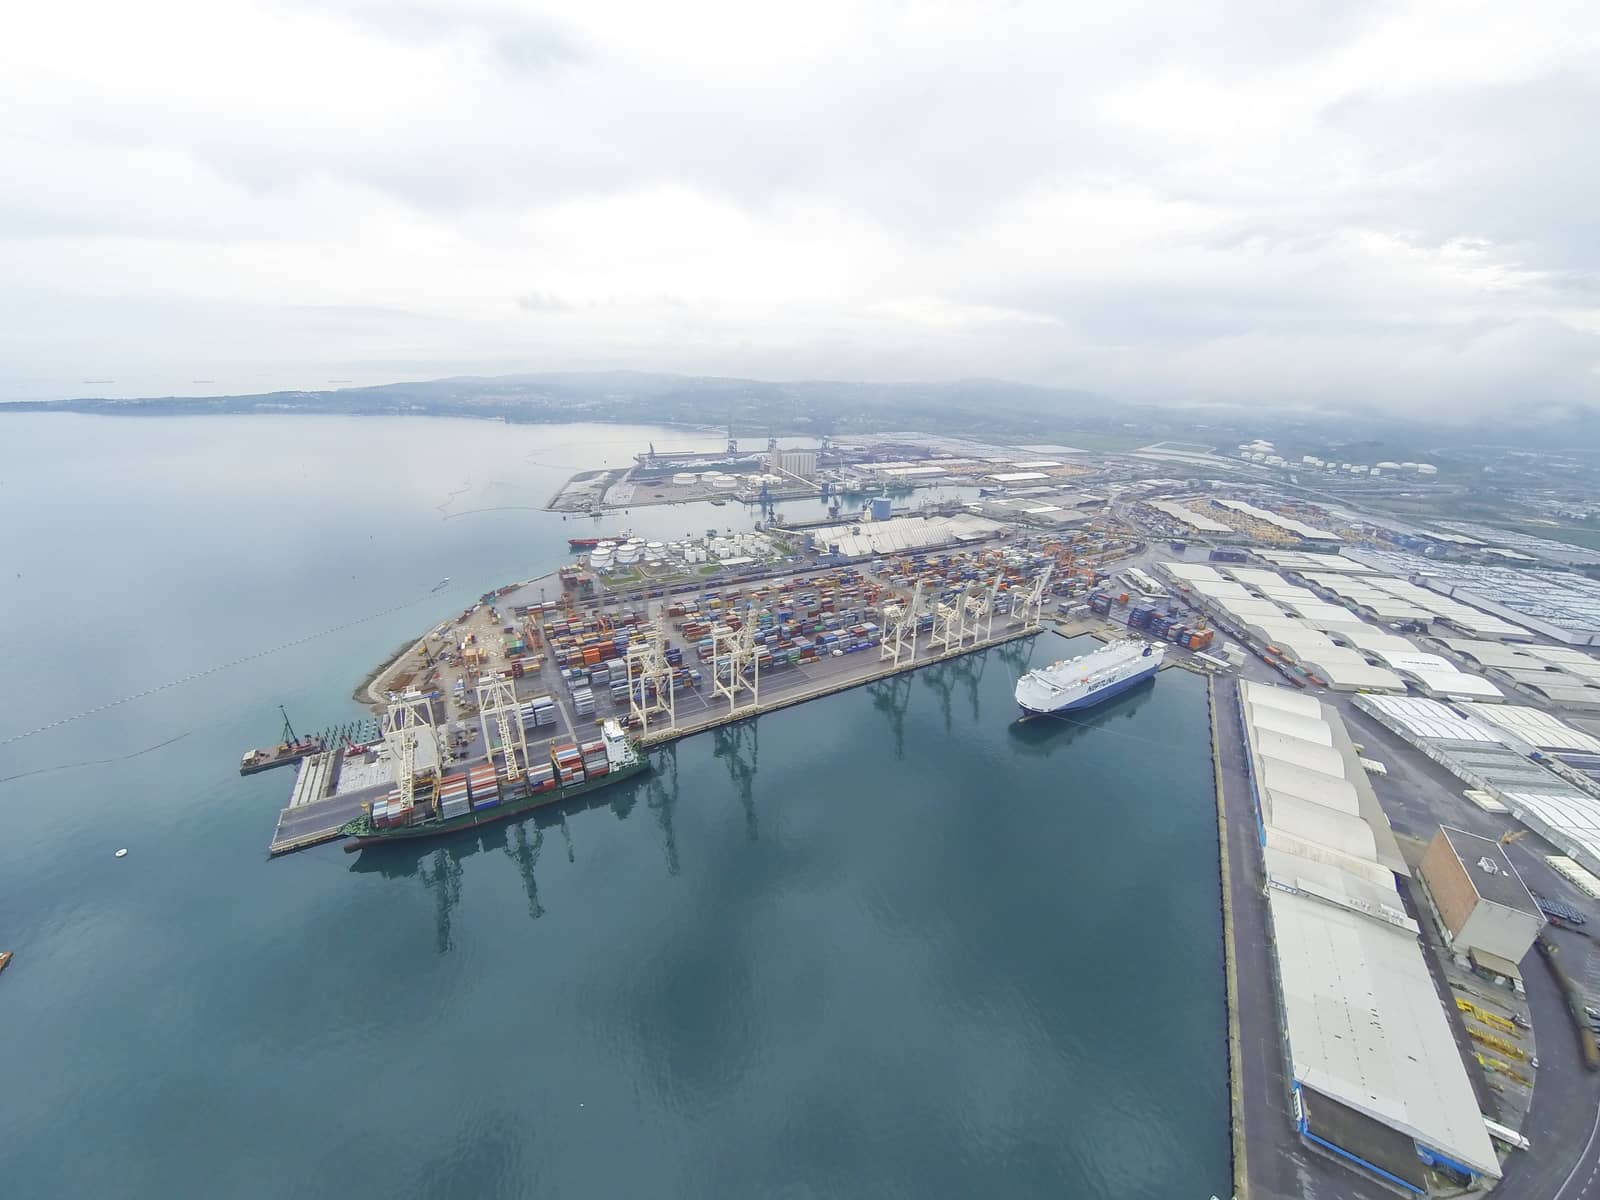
pixel 996 407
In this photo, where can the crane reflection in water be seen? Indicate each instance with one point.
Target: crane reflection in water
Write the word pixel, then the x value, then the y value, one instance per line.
pixel 441 869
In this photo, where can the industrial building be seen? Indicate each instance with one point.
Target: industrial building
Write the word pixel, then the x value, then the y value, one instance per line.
pixel 1372 1061
pixel 793 462
pixel 899 534
pixel 1562 676
pixel 1301 560
pixel 1185 515
pixel 1330 641
pixel 1299 529
pixel 1386 598
pixel 1560 605
pixel 1497 763
pixel 1487 915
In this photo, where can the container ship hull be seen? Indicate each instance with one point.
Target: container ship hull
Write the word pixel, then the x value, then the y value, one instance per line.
pixel 364 834
pixel 1082 683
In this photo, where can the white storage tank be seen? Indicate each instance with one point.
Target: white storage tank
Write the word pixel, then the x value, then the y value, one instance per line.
pixel 683 479
pixel 725 482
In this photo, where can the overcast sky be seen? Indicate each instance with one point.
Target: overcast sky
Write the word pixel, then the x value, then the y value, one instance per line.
pixel 1286 201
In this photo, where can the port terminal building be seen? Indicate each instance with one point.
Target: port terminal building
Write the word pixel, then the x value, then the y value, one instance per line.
pixel 1375 1075
pixel 1488 916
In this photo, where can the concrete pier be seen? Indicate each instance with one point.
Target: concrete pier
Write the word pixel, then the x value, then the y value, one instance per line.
pixel 312 818
pixel 1241 1183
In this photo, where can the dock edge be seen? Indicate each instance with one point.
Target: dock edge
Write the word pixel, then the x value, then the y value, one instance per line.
pixel 1241 1189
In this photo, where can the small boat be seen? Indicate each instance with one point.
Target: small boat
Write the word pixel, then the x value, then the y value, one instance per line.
pixel 5 959
pixel 441 583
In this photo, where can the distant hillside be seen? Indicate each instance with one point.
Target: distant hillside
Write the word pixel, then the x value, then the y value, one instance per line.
pixel 754 406
pixel 998 408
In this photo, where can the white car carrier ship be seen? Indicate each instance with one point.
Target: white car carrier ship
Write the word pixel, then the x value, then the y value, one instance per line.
pixel 1081 682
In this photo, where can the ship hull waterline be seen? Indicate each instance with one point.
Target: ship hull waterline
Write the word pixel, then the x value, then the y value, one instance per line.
pixel 488 816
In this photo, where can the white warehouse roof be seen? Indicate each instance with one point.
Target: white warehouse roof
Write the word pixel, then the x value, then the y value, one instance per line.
pixel 1299 560
pixel 1373 639
pixel 1308 755
pixel 1220 589
pixel 1282 522
pixel 1263 695
pixel 1425 718
pixel 1366 1028
pixel 1190 571
pixel 1251 612
pixel 1322 825
pixel 1537 728
pixel 1320 613
pixel 1437 674
pixel 1364 1024
pixel 1307 729
pixel 1189 517
pixel 1285 779
pixel 1285 856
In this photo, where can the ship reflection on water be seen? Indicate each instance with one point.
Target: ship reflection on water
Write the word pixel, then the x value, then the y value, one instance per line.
pixel 958 686
pixel 1044 733
pixel 521 840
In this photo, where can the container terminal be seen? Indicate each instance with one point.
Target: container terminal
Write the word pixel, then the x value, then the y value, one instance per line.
pixel 1377 741
pixel 507 694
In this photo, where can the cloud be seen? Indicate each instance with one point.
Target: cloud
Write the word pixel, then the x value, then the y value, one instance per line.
pixel 1310 204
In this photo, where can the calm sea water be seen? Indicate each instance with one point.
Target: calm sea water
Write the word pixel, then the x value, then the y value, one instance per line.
pixel 890 944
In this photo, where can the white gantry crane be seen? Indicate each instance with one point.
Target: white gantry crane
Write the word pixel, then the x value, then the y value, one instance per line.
pixel 976 614
pixel 946 633
pixel 967 619
pixel 650 672
pixel 500 713
pixel 733 651
pixel 900 628
pixel 404 722
pixel 1028 610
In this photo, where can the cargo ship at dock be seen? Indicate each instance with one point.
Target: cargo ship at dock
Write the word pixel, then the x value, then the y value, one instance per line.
pixel 589 543
pixel 481 796
pixel 1074 684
